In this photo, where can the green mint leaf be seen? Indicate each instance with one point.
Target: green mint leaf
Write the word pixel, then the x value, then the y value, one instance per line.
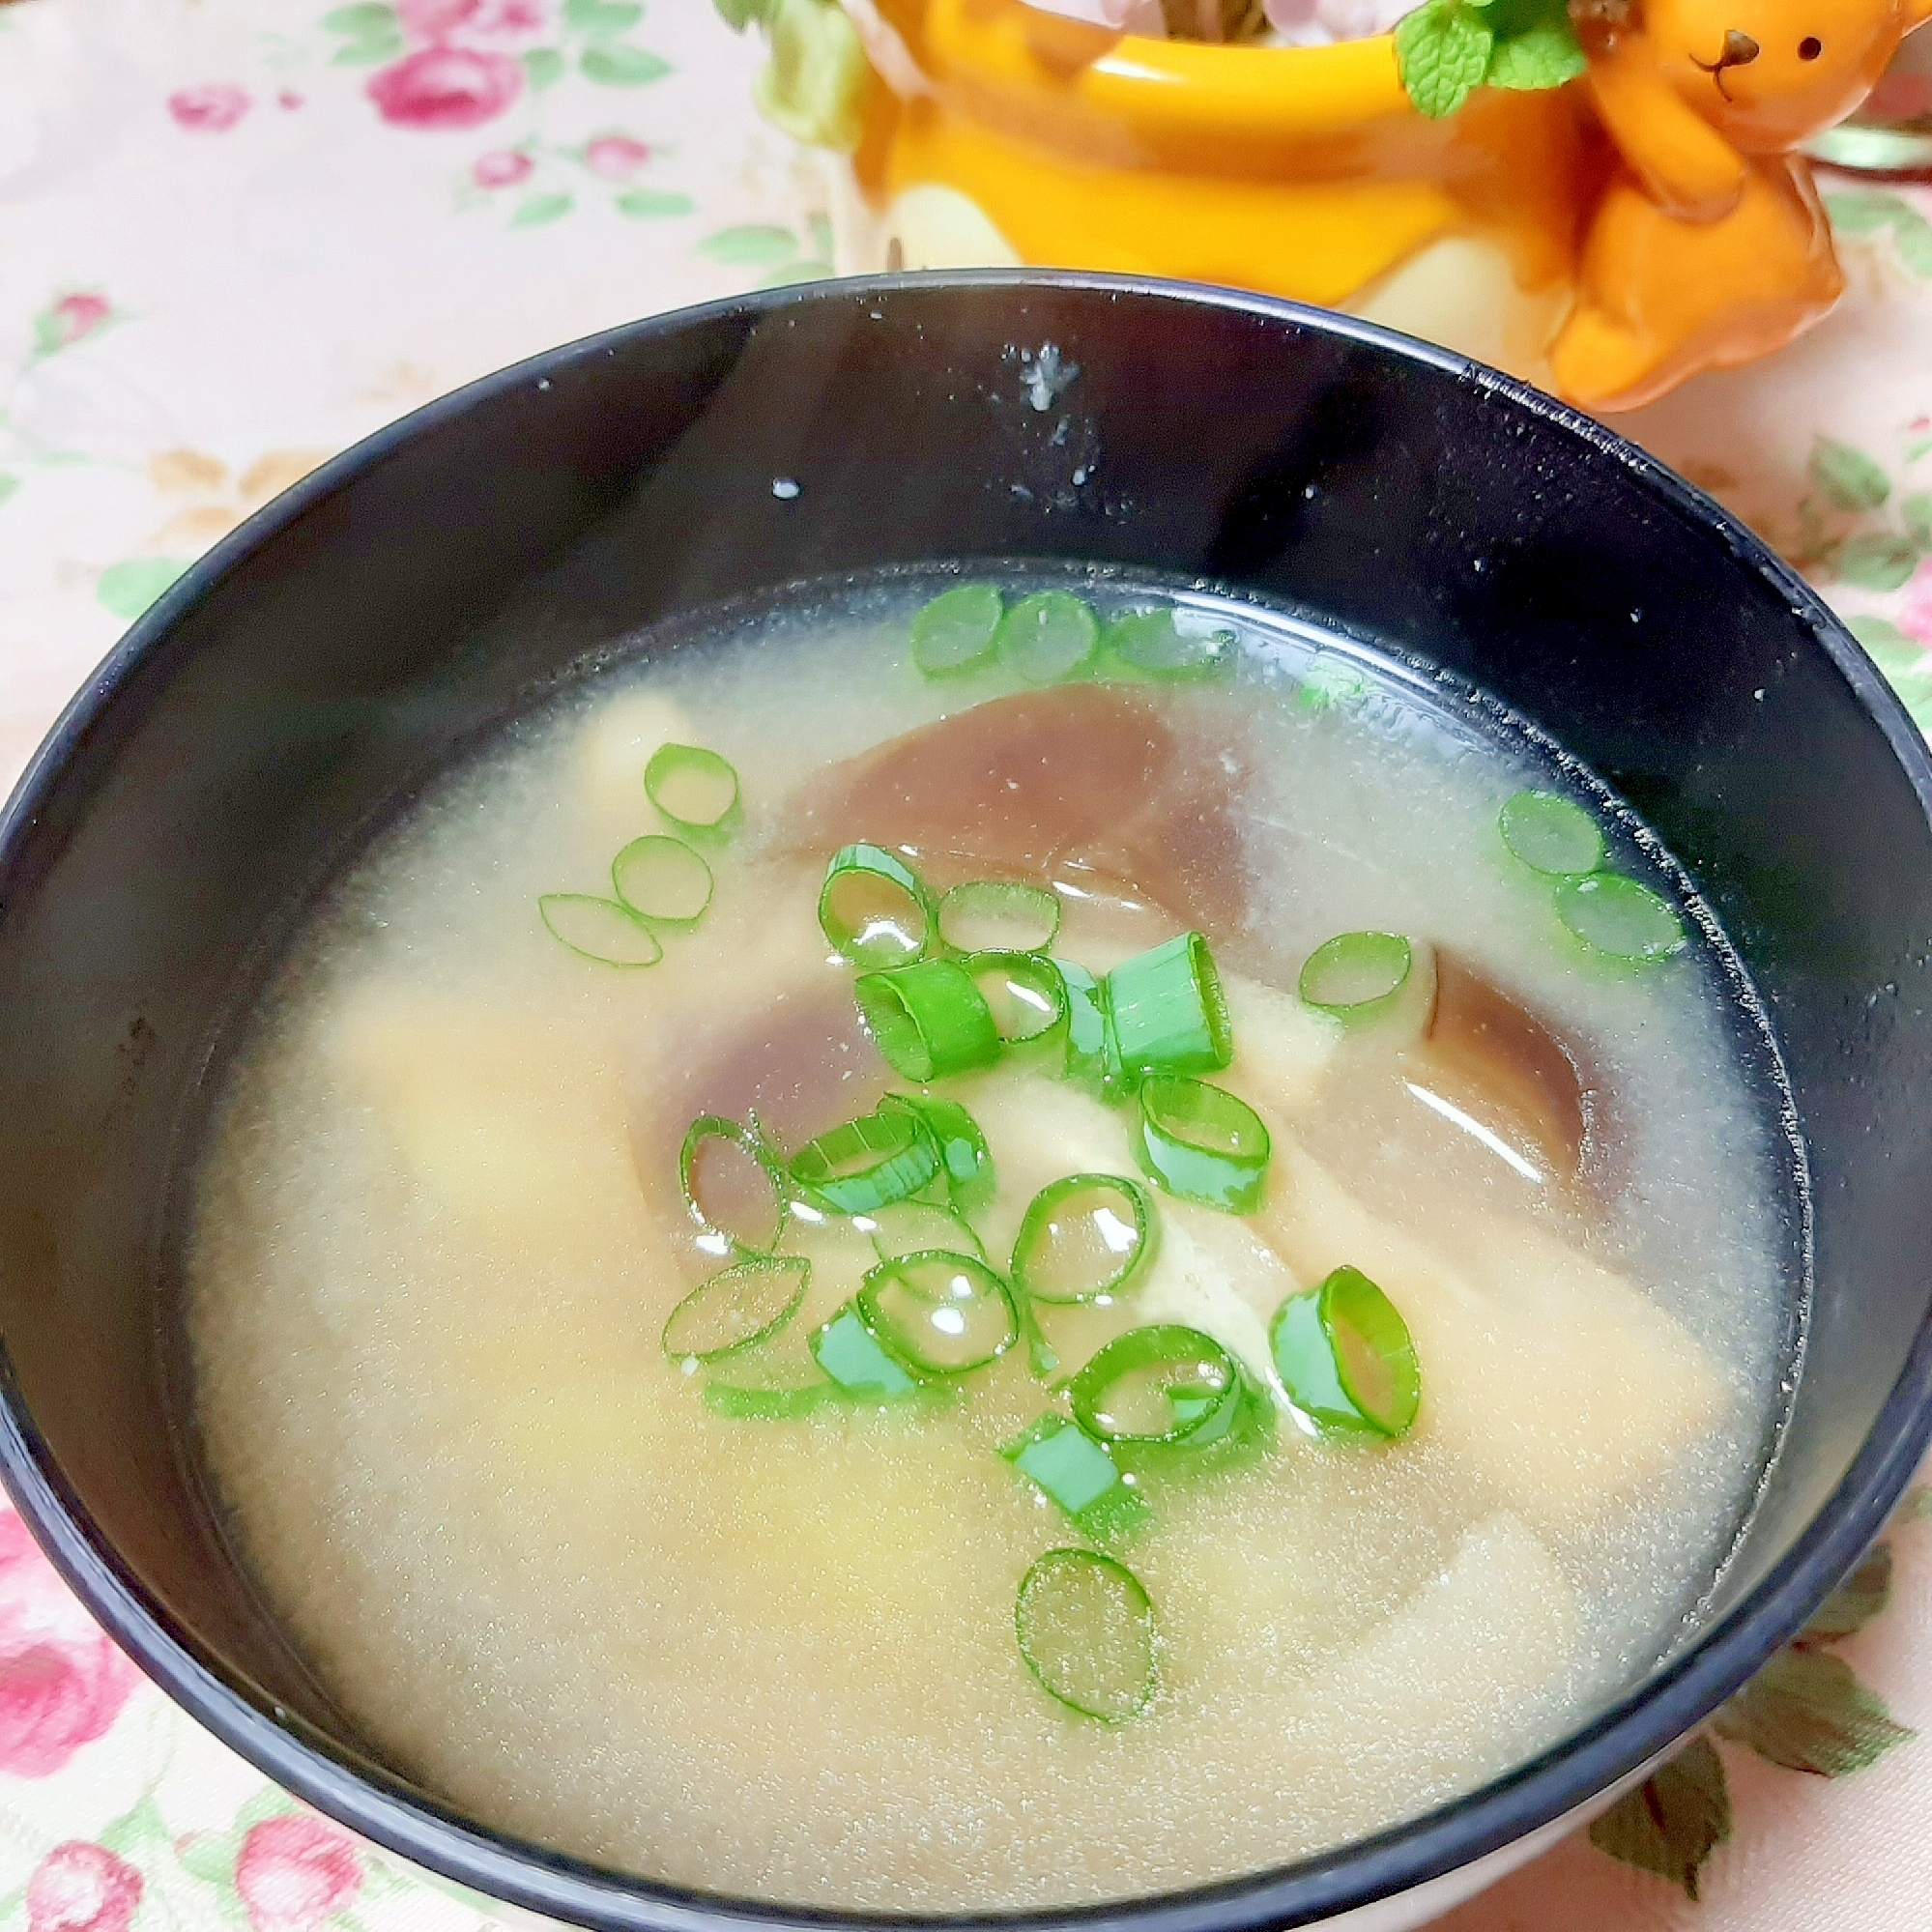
pixel 618 64
pixel 642 202
pixel 541 208
pixel 1850 480
pixel 1673 1821
pixel 1879 560
pixel 1546 55
pixel 362 22
pixel 1867 1590
pixel 542 67
pixel 600 18
pixel 753 245
pixel 1806 1711
pixel 1443 51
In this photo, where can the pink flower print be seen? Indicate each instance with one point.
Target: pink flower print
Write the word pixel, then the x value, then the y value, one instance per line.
pixel 61 1681
pixel 288 98
pixel 502 167
pixel 615 156
pixel 80 1888
pixel 432 19
pixel 508 16
pixel 211 109
pixel 1915 614
pixel 294 1871
pixel 446 87
pixel 73 316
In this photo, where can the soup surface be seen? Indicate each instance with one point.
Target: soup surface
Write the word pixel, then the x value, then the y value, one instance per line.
pixel 670 1614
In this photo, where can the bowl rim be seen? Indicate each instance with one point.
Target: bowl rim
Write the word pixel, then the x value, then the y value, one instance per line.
pixel 1587 1764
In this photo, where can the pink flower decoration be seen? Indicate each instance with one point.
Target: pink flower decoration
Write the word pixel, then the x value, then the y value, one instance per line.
pixel 503 168
pixel 211 109
pixel 80 1888
pixel 1915 614
pixel 615 156
pixel 294 1871
pixel 446 87
pixel 61 1681
pixel 431 20
pixel 289 97
pixel 508 17
pixel 78 315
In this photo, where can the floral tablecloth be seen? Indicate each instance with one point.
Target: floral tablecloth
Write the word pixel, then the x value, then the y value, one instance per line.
pixel 236 236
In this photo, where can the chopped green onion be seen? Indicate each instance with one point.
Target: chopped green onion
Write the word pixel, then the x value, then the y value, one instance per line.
pixel 736 1404
pixel 917 1228
pixel 1618 916
pixel 1356 975
pixel 732 1311
pixel 1201 1143
pixel 964 1156
pixel 1087 1633
pixel 1551 834
pixel 1024 994
pixel 1162 1384
pixel 956 631
pixel 695 789
pixel 599 929
pixel 874 907
pixel 1048 636
pixel 1346 1357
pixel 1165 644
pixel 881 1157
pixel 1078 1473
pixel 938 1314
pixel 998 916
pixel 740 1204
pixel 662 880
pixel 849 1353
pixel 1170 1015
pixel 1083 1239
pixel 929 1021
pixel 1093 1058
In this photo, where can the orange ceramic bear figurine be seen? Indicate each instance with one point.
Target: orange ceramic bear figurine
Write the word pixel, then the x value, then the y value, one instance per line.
pixel 1708 246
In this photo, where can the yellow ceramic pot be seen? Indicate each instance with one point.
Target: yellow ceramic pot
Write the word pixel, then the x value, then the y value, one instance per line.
pixel 1605 239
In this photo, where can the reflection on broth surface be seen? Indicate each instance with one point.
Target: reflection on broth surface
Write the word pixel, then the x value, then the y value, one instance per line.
pixel 742 1614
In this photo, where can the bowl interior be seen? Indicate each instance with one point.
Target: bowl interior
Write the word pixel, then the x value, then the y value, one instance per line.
pixel 322 663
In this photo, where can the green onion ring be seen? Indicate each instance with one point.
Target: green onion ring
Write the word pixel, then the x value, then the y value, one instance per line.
pixel 1616 915
pixel 1201 1143
pixel 1166 1383
pixel 1551 834
pixel 1048 636
pixel 736 1404
pixel 742 1305
pixel 862 1165
pixel 1356 975
pixel 957 630
pixel 938 1312
pixel 980 914
pixel 852 1357
pixel 1030 994
pixel 1083 1239
pixel 1154 643
pixel 964 1154
pixel 662 880
pixel 695 789
pixel 917 1228
pixel 749 1142
pixel 1078 1473
pixel 1093 1057
pixel 599 929
pixel 1346 1357
pixel 1086 1629
pixel 1170 1014
pixel 930 1020
pixel 874 909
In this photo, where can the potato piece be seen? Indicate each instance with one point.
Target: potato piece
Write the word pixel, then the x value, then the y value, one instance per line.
pixel 1212 1271
pixel 1284 1052
pixel 1555 1378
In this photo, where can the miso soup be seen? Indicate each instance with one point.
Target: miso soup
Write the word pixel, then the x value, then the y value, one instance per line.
pixel 940 1256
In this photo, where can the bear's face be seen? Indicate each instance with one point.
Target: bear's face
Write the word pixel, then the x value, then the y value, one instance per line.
pixel 1771 74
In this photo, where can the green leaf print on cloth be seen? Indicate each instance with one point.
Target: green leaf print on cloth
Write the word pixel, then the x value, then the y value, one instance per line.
pixel 1808 1711
pixel 1865 211
pixel 1674 1820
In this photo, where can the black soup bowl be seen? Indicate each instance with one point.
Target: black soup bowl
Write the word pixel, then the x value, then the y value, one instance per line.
pixel 318 666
